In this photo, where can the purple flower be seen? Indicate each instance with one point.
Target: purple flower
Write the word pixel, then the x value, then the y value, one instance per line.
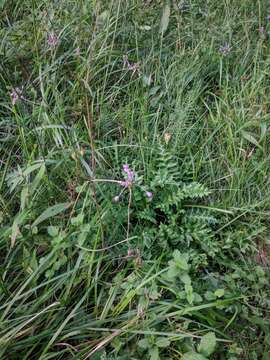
pixel 149 195
pixel 126 168
pixel 129 253
pixel 52 40
pixel 130 176
pixel 268 18
pixel 134 67
pixel 130 173
pixel 225 49
pixel 16 95
pixel 124 183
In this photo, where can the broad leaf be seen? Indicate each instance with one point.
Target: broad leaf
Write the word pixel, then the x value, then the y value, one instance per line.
pixel 154 353
pixel 219 293
pixel 162 342
pixel 143 343
pixel 191 355
pixel 180 260
pixel 189 292
pixel 185 278
pixel 207 344
pixel 50 212
pixel 53 231
pixel 173 271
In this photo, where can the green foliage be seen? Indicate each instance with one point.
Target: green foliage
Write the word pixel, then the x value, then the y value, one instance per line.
pixel 193 356
pixel 207 344
pixel 179 91
pixel 152 345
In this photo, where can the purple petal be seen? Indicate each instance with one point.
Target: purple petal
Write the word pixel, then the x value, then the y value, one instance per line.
pixel 124 183
pixel 52 39
pixel 131 175
pixel 126 168
pixel 149 194
pixel 15 95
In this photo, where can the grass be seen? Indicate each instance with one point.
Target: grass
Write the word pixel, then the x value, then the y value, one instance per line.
pixel 85 274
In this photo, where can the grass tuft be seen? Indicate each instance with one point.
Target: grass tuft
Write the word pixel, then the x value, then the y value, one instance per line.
pixel 134 180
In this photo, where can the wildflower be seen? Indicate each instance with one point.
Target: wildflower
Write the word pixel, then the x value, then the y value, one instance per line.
pixel 134 67
pixel 268 18
pixel 123 183
pixel 225 49
pixel 52 40
pixel 130 176
pixel 16 95
pixel 129 253
pixel 125 167
pixel 149 195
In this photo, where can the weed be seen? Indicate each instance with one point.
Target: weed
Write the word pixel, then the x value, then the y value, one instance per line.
pixel 134 180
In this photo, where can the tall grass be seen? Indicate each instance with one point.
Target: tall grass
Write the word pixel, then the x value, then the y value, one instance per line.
pixel 84 275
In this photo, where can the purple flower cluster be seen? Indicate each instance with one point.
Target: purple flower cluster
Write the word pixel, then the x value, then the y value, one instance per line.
pixel 52 40
pixel 16 95
pixel 134 67
pixel 130 176
pixel 129 181
pixel 225 49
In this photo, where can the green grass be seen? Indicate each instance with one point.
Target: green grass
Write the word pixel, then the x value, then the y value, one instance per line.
pixel 182 275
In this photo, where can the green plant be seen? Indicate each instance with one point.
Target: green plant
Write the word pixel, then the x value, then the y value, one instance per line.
pixel 170 252
pixel 205 348
pixel 153 345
